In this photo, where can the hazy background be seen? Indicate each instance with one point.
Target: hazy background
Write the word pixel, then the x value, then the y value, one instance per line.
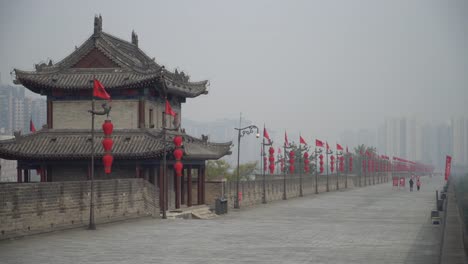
pixel 316 67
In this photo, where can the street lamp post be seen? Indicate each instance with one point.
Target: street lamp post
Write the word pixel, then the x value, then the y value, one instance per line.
pixel 270 143
pixel 317 153
pixel 301 161
pixel 242 132
pixel 285 147
pixel 338 154
pixel 328 152
pixel 106 110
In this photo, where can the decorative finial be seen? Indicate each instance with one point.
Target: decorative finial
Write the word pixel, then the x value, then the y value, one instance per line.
pixel 97 24
pixel 134 38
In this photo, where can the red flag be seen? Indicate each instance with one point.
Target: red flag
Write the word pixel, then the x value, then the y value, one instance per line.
pixel 99 90
pixel 169 110
pixel 32 128
pixel 286 138
pixel 339 147
pixel 318 143
pixel 265 134
pixel 302 141
pixel 448 162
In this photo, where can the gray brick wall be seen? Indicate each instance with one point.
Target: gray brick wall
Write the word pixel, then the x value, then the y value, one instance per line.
pixel 31 208
pixel 74 114
pixel 252 191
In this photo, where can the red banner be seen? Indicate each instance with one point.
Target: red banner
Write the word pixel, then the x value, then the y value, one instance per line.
pixel 402 181
pixel 395 181
pixel 448 162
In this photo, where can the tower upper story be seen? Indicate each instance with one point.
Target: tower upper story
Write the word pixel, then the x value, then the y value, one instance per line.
pixel 137 84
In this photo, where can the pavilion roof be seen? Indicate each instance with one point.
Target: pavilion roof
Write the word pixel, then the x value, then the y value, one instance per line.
pixel 73 144
pixel 116 63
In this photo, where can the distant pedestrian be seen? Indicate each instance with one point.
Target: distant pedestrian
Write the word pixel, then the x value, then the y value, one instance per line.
pixel 418 184
pixel 411 182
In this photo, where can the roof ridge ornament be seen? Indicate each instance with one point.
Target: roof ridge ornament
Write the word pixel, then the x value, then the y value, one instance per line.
pixel 97 24
pixel 134 38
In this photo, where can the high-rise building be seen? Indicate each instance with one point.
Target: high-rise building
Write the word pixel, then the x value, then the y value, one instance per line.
pixel 7 167
pixel 17 110
pixel 460 141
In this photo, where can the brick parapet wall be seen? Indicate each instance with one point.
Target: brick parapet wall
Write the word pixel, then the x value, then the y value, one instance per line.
pixel 31 208
pixel 252 191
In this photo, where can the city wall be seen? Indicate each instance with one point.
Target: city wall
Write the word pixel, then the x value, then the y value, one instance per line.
pixel 30 208
pixel 252 191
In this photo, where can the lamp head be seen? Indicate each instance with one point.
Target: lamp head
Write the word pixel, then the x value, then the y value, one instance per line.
pixel 257 135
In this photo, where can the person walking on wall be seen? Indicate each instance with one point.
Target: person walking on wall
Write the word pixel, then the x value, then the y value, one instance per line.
pixel 418 184
pixel 411 182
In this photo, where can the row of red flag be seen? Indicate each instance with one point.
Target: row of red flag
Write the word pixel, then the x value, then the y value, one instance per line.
pixel 318 143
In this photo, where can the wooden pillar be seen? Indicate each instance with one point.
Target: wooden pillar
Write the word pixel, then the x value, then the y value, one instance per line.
pixel 137 171
pixel 182 187
pixel 49 173
pixel 203 184
pixel 161 188
pixel 141 113
pixel 19 174
pixel 43 173
pixel 49 114
pixel 26 175
pixel 177 190
pixel 189 185
pixel 199 183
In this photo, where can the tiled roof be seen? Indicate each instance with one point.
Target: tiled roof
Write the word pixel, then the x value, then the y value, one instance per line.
pixel 66 144
pixel 133 69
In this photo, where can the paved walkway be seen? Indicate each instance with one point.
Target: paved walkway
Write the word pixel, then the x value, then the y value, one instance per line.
pixel 369 225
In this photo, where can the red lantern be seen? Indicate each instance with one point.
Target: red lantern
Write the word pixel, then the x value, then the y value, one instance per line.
pixel 306 162
pixel 341 164
pixel 272 168
pixel 291 161
pixel 107 144
pixel 107 160
pixel 321 163
pixel 178 153
pixel 107 127
pixel 265 165
pixel 332 163
pixel 272 160
pixel 178 166
pixel 177 141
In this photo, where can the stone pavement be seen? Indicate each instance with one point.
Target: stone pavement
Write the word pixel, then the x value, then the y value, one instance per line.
pixel 376 224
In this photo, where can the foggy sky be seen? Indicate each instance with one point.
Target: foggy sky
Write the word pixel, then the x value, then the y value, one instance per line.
pixel 315 67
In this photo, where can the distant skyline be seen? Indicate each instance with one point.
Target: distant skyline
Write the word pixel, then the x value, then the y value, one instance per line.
pixel 311 67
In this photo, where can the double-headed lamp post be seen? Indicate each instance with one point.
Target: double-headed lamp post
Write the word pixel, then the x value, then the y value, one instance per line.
pixel 317 153
pixel 269 143
pixel 301 161
pixel 285 147
pixel 338 154
pixel 242 132
pixel 328 152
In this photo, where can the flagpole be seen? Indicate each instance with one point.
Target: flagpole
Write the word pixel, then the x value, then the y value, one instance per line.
pixel 316 169
pixel 337 170
pixel 327 168
pixel 300 169
pixel 263 165
pixel 92 225
pixel 284 172
pixel 346 169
